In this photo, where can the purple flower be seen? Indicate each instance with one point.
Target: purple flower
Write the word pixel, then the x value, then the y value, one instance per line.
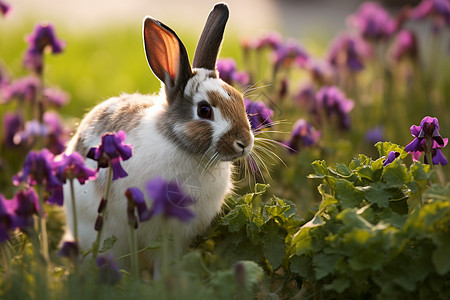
pixel 288 53
pixel 258 114
pixel 349 52
pixel 71 166
pixel 228 72
pixel 12 124
pixel 25 205
pixel 169 200
pixel 303 135
pixel 136 201
pixel 55 97
pixel 6 218
pixel 111 151
pixel 33 130
pixel 307 95
pixel 372 21
pixel 4 78
pixel 404 46
pixel 391 157
pixel 332 102
pixel 70 250
pixel 108 272
pixel 272 40
pixel 23 89
pixel 55 132
pixel 5 8
pixel 37 169
pixel 42 38
pixel 427 139
pixel 375 135
pixel 438 10
pixel 321 71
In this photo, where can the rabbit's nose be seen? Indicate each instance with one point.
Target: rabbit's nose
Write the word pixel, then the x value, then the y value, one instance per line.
pixel 241 147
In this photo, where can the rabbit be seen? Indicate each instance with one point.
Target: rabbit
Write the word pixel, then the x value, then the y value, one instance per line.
pixel 190 133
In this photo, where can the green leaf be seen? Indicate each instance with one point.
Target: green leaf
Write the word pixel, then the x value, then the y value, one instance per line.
pixel 396 175
pixel 273 244
pixel 108 243
pixel 347 194
pixel 366 172
pixel 421 171
pixel 324 264
pixel 438 192
pixel 385 147
pixel 377 194
pixel 440 256
pixel 302 265
pixel 339 284
pixel 261 188
pixel 341 170
pixel 237 217
pixel 276 208
pixel 302 241
pixel 351 218
pixel 320 169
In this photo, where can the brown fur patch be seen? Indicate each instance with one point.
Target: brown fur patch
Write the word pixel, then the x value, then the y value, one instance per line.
pixel 199 134
pixel 127 115
pixel 128 112
pixel 233 109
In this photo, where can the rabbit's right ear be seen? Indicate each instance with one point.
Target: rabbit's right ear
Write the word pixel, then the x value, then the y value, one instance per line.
pixel 166 54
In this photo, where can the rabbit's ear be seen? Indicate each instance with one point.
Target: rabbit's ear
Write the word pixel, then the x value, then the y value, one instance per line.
pixel 166 54
pixel 209 43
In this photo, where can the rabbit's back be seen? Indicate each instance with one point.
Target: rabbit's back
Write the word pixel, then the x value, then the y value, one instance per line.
pixel 118 113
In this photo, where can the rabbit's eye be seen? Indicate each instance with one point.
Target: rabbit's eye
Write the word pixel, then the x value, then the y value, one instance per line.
pixel 204 111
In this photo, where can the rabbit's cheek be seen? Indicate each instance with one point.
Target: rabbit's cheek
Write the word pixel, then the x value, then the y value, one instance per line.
pixel 197 136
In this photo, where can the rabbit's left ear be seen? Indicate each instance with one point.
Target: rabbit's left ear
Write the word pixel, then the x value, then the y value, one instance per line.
pixel 166 54
pixel 209 43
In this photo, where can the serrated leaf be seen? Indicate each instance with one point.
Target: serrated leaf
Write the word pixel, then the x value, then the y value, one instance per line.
pixel 324 264
pixel 347 194
pixel 261 188
pixel 385 147
pixel 341 170
pixel 366 172
pixel 301 265
pixel 284 210
pixel 273 245
pixel 237 217
pixel 396 175
pixel 320 169
pixel 421 171
pixel 375 193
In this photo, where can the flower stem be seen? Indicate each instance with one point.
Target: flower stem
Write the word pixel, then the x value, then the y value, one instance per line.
pixel 102 213
pixel 133 250
pixel 74 212
pixel 164 250
pixel 42 226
